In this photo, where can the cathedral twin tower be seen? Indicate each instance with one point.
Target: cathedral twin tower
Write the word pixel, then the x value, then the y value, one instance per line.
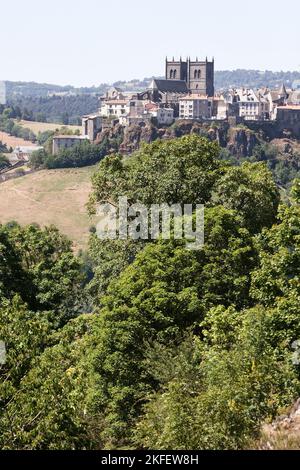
pixel 198 75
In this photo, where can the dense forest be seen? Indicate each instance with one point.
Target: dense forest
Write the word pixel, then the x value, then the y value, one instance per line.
pixel 56 109
pixel 148 345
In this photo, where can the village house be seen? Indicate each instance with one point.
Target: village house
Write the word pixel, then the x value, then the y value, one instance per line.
pixel 114 93
pixel 114 108
pixel 275 98
pixel 248 104
pixel 91 126
pixel 164 116
pixel 294 98
pixel 288 118
pixel 219 108
pixel 66 141
pixel 195 107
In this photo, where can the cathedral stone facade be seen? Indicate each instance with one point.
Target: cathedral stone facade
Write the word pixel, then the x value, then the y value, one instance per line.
pixel 198 75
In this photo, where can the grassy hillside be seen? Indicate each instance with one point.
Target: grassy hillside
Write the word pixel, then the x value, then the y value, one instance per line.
pixel 12 141
pixel 50 197
pixel 37 127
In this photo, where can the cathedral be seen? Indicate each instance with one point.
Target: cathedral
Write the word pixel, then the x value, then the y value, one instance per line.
pixel 198 75
pixel 182 78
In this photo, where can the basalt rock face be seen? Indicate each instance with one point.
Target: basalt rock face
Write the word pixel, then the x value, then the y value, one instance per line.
pixel 130 138
pixel 287 146
pixel 111 138
pixel 239 141
pixel 110 133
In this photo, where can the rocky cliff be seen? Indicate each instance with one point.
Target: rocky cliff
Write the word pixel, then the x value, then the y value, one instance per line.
pixel 240 141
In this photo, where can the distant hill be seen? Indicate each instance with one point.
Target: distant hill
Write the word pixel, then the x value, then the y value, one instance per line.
pixel 223 79
pixel 254 79
pixel 44 90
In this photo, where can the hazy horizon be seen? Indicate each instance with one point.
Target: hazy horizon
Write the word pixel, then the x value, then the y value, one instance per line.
pixel 69 43
pixel 134 78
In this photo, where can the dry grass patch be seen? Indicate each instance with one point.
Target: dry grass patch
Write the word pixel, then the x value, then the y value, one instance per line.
pixel 50 197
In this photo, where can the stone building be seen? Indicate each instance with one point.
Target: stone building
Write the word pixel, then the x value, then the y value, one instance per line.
pixel 294 98
pixel 66 141
pixel 247 104
pixel 181 78
pixel 166 91
pixel 219 109
pixel 194 107
pixel 288 119
pixel 91 126
pixel 114 107
pixel 198 75
pixel 164 116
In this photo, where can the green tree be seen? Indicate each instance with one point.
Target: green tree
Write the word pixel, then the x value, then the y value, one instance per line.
pixel 165 291
pixel 47 410
pixel 216 398
pixel 251 190
pixel 4 162
pixel 39 265
pixel 178 171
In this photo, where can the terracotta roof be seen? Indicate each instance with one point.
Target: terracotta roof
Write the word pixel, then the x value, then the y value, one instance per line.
pixel 151 106
pixel 116 102
pixel 295 107
pixel 194 97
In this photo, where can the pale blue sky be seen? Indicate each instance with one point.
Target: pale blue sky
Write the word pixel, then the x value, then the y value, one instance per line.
pixel 94 41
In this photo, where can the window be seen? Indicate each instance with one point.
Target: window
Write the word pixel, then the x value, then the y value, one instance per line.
pixel 175 73
pixel 199 74
pixel 171 74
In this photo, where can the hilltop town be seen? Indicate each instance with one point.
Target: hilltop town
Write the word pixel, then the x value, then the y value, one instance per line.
pixel 185 101
pixel 187 93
